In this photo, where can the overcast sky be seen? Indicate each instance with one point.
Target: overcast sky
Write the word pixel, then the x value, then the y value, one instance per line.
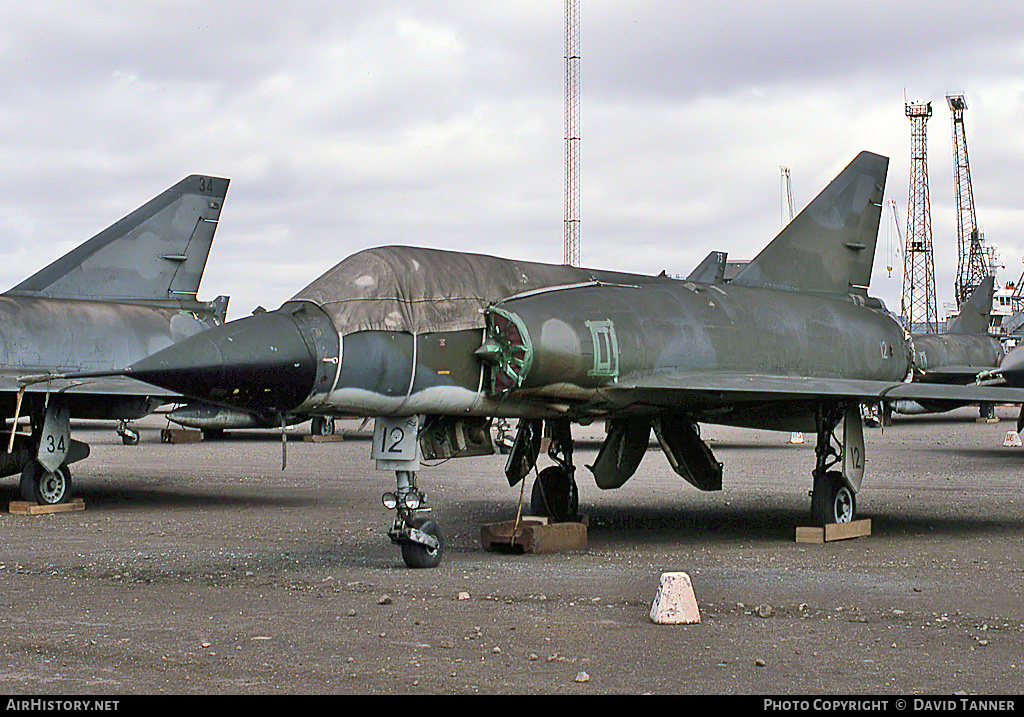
pixel 349 125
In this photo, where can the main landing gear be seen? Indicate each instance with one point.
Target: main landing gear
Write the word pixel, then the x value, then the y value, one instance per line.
pixel 833 498
pixel 45 487
pixel 322 426
pixel 555 494
pixel 44 455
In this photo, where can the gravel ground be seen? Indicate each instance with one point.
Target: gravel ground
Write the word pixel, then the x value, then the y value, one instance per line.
pixel 205 569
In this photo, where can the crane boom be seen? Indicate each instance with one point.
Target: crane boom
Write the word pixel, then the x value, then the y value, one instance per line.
pixel 973 263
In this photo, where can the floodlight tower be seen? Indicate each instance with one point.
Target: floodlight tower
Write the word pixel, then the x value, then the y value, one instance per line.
pixel 918 308
pixel 572 133
pixel 973 263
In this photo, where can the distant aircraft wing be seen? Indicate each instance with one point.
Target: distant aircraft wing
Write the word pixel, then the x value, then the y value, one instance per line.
pixel 682 390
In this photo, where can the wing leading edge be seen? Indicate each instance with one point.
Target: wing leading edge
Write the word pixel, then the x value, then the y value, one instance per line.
pixel 679 389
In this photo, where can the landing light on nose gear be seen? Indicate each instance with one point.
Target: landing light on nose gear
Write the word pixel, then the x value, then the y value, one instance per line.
pixel 418 536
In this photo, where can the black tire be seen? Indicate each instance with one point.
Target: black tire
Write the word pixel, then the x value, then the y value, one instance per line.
pixel 322 426
pixel 555 495
pixel 40 486
pixel 417 556
pixel 832 500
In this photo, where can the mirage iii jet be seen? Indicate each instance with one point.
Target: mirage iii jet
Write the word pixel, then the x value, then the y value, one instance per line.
pixel 125 293
pixel 435 344
pixel 958 355
pixel 1010 372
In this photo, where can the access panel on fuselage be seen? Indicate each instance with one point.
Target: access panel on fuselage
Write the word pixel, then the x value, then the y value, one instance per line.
pixel 377 361
pixel 448 358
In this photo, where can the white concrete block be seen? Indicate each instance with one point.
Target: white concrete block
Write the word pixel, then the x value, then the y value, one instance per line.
pixel 675 603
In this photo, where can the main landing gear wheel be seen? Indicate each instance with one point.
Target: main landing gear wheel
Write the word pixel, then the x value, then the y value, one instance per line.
pixel 555 495
pixel 322 426
pixel 832 500
pixel 419 556
pixel 39 485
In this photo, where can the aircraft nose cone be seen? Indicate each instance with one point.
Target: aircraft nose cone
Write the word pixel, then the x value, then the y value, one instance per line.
pixel 260 362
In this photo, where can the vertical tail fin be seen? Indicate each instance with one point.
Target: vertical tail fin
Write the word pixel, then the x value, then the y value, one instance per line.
pixel 976 312
pixel 829 246
pixel 158 252
pixel 711 270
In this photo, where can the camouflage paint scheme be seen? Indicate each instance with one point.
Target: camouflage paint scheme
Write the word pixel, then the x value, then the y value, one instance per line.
pixel 124 294
pixel 792 342
pixel 957 356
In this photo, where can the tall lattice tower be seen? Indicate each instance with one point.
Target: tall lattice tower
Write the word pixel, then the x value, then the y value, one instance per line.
pixel 973 263
pixel 918 309
pixel 572 133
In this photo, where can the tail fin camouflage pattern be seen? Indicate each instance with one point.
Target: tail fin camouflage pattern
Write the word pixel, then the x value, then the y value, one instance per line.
pixel 829 247
pixel 976 313
pixel 156 253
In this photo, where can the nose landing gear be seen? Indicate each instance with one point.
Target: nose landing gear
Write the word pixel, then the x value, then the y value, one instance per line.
pixel 419 537
pixel 396 447
pixel 129 436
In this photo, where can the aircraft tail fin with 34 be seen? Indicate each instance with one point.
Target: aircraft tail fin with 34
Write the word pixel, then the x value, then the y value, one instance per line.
pixel 156 253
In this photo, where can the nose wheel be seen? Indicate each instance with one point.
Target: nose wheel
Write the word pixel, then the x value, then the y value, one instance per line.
pixel 129 436
pixel 418 554
pixel 419 537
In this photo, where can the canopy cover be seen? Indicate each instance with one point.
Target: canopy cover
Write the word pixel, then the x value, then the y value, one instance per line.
pixel 417 290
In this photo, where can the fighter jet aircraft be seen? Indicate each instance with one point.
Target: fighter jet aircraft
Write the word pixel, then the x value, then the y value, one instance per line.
pixel 1010 372
pixel 959 355
pixel 435 344
pixel 127 292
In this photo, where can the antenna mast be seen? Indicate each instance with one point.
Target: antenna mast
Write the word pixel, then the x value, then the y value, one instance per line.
pixel 572 133
pixel 918 308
